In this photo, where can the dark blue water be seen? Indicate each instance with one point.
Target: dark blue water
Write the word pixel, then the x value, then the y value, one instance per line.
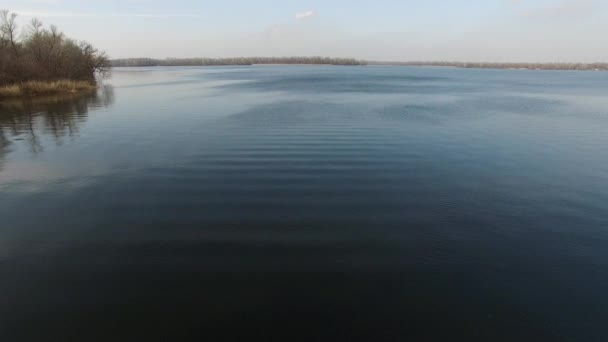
pixel 308 203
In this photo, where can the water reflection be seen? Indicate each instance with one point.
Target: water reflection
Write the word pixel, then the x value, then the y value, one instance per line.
pixel 57 116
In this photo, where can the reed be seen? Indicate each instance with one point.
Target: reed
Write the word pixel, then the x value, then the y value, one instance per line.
pixel 32 88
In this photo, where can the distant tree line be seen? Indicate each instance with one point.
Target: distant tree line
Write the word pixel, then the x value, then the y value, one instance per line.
pixel 530 66
pixel 36 53
pixel 148 62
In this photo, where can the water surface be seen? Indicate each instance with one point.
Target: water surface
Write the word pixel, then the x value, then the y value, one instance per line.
pixel 313 203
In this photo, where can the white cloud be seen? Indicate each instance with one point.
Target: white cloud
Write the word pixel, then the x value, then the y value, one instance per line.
pixel 304 15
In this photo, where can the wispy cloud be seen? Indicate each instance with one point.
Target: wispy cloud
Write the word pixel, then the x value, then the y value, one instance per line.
pixel 557 8
pixel 43 14
pixel 567 8
pixel 43 2
pixel 304 15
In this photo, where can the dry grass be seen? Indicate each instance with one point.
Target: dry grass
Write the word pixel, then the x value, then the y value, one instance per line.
pixel 45 87
pixel 10 91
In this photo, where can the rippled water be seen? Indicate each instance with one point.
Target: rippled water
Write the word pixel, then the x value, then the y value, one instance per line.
pixel 313 203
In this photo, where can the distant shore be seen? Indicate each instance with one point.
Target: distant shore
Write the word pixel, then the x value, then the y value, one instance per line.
pixel 249 61
pixel 514 66
pixel 240 61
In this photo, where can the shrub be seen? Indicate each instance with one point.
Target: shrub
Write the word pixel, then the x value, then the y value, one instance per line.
pixel 36 53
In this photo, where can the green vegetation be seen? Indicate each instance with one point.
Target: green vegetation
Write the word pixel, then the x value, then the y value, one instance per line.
pixel 37 60
pixel 147 62
pixel 530 66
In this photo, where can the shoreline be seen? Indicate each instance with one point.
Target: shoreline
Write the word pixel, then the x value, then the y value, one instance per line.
pixel 543 67
pixel 41 88
pixel 501 66
pixel 331 61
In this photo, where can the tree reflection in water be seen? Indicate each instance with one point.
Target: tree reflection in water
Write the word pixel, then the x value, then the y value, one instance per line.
pixel 58 116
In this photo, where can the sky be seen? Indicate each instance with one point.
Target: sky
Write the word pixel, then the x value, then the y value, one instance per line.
pixel 390 30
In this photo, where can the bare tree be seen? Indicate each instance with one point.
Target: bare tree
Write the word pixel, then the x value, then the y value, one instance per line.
pixel 8 29
pixel 38 53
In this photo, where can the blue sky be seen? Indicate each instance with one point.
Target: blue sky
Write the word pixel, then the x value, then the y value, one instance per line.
pixel 475 30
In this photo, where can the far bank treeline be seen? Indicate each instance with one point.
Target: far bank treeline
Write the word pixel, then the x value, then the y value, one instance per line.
pixel 149 62
pixel 34 54
pixel 487 65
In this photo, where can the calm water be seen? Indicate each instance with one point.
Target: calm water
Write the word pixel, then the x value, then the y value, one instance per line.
pixel 312 203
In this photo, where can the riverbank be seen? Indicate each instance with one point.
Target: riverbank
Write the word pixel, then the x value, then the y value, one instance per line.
pixel 35 88
pixel 237 61
pixel 509 66
pixel 260 61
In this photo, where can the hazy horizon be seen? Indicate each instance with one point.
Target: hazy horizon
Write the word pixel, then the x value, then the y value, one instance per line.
pixel 383 30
